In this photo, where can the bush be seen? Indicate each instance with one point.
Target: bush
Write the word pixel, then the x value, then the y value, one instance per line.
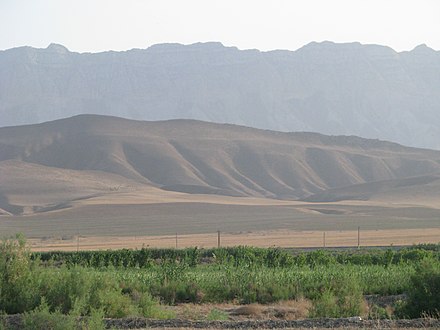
pixel 378 313
pixel 179 292
pixel 41 319
pixel 342 298
pixel 64 288
pixel 25 285
pixel 424 292
pixel 325 306
pixel 17 293
pixel 217 315
pixel 149 307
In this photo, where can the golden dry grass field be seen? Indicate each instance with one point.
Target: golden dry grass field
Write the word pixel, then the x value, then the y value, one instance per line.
pixel 280 238
pixel 134 221
pixel 148 218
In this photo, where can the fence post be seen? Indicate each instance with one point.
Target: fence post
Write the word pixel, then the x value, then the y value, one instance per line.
pixel 359 237
pixel 323 238
pixel 176 241
pixel 218 238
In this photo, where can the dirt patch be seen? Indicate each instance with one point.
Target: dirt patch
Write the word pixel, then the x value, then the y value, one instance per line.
pixel 384 301
pixel 283 310
pixel 250 311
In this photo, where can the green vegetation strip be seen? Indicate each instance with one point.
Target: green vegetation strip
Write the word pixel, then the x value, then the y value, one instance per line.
pixel 124 283
pixel 237 256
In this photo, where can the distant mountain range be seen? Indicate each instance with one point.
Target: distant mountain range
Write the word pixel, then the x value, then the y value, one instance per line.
pixel 48 166
pixel 337 89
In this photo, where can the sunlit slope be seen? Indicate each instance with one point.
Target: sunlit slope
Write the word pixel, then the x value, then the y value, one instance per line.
pixel 86 155
pixel 419 190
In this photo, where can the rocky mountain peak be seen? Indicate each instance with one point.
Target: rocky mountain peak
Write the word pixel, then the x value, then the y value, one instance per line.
pixel 57 48
pixel 338 89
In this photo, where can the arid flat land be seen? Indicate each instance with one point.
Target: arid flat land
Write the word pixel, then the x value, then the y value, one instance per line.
pixel 241 221
pixel 199 218
pixel 137 219
pixel 279 238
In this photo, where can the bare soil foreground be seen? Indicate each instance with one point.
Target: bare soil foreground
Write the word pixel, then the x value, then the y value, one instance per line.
pixel 347 323
pixel 276 238
pixel 15 322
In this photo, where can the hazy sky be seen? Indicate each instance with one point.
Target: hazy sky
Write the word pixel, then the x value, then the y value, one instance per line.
pixel 97 25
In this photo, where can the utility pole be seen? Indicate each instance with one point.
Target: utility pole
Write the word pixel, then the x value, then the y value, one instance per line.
pixel 176 241
pixel 218 238
pixel 323 239
pixel 359 237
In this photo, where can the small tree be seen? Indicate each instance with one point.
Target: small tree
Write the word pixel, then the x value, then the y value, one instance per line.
pixel 16 289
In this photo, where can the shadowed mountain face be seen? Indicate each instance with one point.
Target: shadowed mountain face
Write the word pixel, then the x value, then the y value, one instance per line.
pixel 89 155
pixel 343 89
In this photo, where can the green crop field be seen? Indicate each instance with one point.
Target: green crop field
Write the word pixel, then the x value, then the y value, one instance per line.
pixel 144 282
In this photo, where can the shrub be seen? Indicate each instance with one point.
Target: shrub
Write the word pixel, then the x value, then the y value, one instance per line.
pixel 378 313
pixel 17 292
pixel 149 307
pixel 63 288
pixel 325 306
pixel 41 319
pixel 341 298
pixel 179 292
pixel 95 321
pixel 424 292
pixel 217 315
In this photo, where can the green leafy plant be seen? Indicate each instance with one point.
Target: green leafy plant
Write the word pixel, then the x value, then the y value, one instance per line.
pixel 424 291
pixel 42 318
pixel 217 315
pixel 17 292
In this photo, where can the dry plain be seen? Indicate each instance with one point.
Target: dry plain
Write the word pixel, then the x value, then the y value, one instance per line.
pixel 133 222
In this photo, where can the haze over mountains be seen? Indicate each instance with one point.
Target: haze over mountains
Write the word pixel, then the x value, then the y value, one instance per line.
pixel 339 89
pixel 49 166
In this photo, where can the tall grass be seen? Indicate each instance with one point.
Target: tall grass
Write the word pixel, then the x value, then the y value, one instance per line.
pixel 222 283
